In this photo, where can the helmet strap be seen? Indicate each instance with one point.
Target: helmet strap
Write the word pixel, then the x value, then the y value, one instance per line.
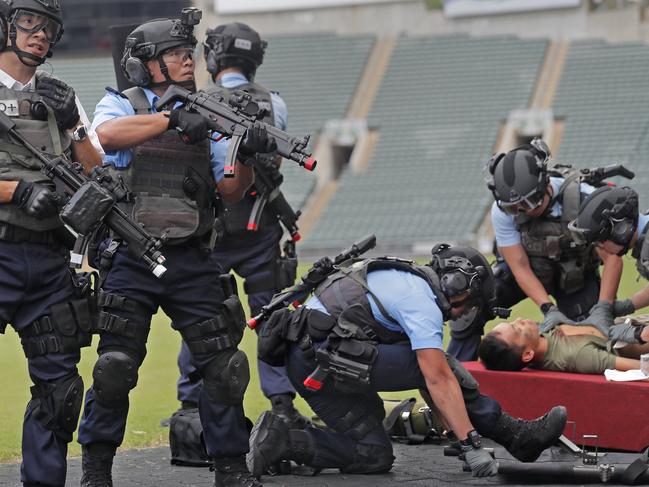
pixel 22 55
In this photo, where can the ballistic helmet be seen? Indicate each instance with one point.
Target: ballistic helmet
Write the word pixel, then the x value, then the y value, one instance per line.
pixel 233 45
pixel 464 270
pixel 519 178
pixel 19 15
pixel 151 39
pixel 608 213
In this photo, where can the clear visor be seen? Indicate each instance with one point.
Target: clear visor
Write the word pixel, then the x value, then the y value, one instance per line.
pixel 31 23
pixel 179 55
pixel 531 201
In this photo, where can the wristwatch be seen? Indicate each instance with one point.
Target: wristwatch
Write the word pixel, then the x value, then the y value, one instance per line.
pixel 545 307
pixel 472 440
pixel 80 133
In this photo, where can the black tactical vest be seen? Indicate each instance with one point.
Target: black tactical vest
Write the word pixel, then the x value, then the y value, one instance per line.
pixel 548 244
pixel 348 287
pixel 171 183
pixel 640 252
pixel 236 215
pixel 16 162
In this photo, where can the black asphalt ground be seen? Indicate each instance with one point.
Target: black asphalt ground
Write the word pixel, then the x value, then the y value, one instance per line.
pixel 415 466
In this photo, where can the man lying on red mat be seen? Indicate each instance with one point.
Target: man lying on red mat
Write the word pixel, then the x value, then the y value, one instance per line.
pixel 566 347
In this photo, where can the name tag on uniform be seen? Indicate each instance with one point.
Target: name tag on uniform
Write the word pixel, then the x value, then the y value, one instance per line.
pixel 9 107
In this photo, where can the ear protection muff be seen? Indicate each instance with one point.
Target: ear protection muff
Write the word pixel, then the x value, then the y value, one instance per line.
pixel 136 71
pixel 491 169
pixel 622 231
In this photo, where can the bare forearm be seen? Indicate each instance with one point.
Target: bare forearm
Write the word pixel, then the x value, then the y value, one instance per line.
pixel 86 154
pixel 611 275
pixel 126 132
pixel 622 363
pixel 7 189
pixel 641 298
pixel 233 189
pixel 447 396
pixel 519 264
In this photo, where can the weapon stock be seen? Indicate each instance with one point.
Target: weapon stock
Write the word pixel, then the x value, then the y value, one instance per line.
pixel 99 190
pixel 314 276
pixel 233 120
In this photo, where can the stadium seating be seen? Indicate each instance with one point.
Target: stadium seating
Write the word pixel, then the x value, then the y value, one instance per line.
pixel 317 75
pixel 438 111
pixel 603 97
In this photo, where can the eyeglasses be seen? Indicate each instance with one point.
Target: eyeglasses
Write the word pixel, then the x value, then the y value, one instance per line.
pixel 178 55
pixel 530 201
pixel 31 23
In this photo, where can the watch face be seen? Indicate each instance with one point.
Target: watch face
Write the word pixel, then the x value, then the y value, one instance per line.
pixel 80 133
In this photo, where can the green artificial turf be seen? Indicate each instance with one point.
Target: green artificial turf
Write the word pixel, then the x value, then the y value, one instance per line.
pixel 154 397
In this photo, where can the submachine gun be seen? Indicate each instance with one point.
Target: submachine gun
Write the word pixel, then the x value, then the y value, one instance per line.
pixel 232 118
pixel 596 176
pixel 93 201
pixel 322 268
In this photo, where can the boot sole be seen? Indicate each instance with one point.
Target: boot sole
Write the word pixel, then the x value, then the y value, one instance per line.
pixel 255 460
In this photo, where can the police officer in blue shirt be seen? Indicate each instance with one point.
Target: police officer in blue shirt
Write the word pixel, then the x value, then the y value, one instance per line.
pixel 534 202
pixel 172 172
pixel 609 218
pixel 233 52
pixel 377 325
pixel 38 292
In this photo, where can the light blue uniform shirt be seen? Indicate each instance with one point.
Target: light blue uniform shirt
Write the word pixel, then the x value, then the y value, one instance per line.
pixel 409 300
pixel 505 227
pixel 113 106
pixel 642 222
pixel 280 113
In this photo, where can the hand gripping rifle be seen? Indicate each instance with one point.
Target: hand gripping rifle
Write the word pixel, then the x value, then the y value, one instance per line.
pixel 232 119
pixel 322 268
pixel 266 187
pixel 93 201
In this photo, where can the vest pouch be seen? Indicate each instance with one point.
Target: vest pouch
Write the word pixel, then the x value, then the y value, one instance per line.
pixel 571 277
pixel 272 344
pixel 162 215
pixel 545 270
pixel 87 207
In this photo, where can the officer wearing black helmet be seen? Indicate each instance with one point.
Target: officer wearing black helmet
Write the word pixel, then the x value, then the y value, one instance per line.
pixel 168 163
pixel 37 290
pixel 377 325
pixel 610 219
pixel 233 52
pixel 533 205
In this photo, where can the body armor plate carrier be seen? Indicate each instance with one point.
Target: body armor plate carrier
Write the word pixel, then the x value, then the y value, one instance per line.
pixel 546 240
pixel 172 186
pixel 17 163
pixel 236 215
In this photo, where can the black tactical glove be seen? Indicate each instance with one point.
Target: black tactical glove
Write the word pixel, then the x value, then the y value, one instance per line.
pixel 36 199
pixel 481 462
pixel 60 98
pixel 552 317
pixel 256 140
pixel 623 308
pixel 191 125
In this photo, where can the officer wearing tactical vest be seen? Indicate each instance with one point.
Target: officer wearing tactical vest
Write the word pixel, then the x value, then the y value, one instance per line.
pixel 534 203
pixel 170 167
pixel 37 290
pixel 609 218
pixel 377 325
pixel 233 52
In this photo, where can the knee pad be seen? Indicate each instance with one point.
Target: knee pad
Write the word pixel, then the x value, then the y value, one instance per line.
pixel 362 418
pixel 371 459
pixel 114 375
pixel 468 384
pixel 226 377
pixel 58 404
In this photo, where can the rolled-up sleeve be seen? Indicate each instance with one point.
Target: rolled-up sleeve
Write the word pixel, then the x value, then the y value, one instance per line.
pixel 113 106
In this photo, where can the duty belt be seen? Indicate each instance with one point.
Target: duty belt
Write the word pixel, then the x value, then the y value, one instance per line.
pixel 12 233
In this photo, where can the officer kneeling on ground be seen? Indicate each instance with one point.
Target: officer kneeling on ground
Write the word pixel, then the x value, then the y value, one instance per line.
pixel 609 218
pixel 534 202
pixel 39 296
pixel 377 325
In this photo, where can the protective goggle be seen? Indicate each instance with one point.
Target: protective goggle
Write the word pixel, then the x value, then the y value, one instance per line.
pixel 31 22
pixel 530 201
pixel 178 55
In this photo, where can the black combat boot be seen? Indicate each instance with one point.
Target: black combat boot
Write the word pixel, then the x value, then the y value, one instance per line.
pixel 282 406
pixel 526 439
pixel 96 464
pixel 233 472
pixel 272 440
